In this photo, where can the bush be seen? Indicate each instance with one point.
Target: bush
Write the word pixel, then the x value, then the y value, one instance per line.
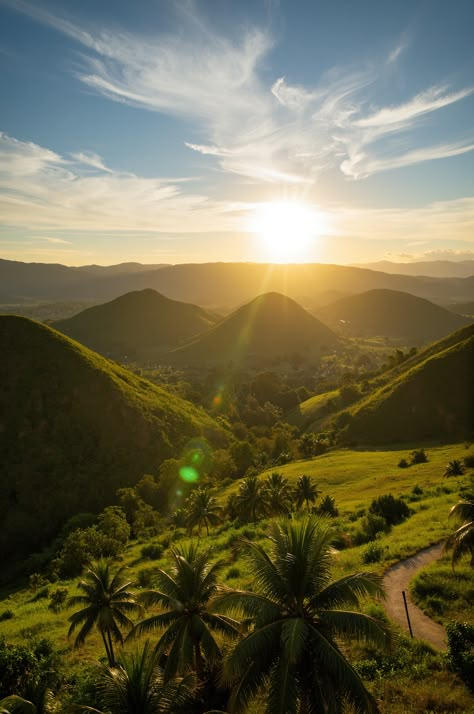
pixel 328 507
pixel 371 525
pixel 152 551
pixel 57 599
pixel 6 615
pixel 403 464
pixel 418 456
pixel 469 461
pixel 417 490
pixel 461 651
pixel 454 468
pixel 373 553
pixel 393 510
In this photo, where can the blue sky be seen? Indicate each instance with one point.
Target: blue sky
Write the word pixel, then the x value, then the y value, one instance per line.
pixel 156 130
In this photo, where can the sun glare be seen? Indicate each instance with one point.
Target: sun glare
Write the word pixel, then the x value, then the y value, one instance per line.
pixel 288 230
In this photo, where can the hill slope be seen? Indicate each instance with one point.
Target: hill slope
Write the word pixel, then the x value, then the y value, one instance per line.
pixel 74 427
pixel 433 399
pixel 393 314
pixel 136 323
pixel 269 326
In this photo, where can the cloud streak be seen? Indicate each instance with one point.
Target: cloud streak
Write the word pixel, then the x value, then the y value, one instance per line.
pixel 269 131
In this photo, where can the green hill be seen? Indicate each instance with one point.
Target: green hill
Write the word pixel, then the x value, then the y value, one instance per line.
pixel 271 325
pixel 393 314
pixel 74 427
pixel 137 323
pixel 432 399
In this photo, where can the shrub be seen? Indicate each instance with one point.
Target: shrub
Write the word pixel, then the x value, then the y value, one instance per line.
pixel 145 577
pixel 36 581
pixel 461 651
pixel 393 510
pixel 6 615
pixel 403 464
pixel 418 456
pixel 454 468
pixel 41 594
pixel 373 553
pixel 57 599
pixel 417 490
pixel 469 461
pixel 371 525
pixel 328 507
pixel 152 551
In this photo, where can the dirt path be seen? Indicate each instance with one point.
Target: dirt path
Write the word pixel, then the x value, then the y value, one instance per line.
pixel 396 580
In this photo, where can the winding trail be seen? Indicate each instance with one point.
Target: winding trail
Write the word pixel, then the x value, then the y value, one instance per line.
pixel 396 580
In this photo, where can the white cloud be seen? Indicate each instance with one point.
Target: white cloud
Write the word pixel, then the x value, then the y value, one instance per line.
pixel 56 241
pixel 89 158
pixel 268 130
pixel 40 190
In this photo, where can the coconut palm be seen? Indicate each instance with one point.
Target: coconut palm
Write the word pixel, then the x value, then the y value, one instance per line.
pixel 454 468
pixel 462 540
pixel 188 622
pixel 202 509
pixel 305 491
pixel 135 686
pixel 250 500
pixel 277 494
pixel 106 600
pixel 16 705
pixel 299 617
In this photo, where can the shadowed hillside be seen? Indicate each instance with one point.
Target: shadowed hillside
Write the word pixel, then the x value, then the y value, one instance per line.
pixel 393 314
pixel 269 326
pixel 74 428
pixel 136 323
pixel 434 399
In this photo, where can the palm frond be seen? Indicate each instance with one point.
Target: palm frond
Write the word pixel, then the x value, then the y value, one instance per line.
pixel 294 633
pixel 356 625
pixel 348 591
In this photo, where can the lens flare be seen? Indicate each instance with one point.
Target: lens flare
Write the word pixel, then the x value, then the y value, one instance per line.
pixel 188 474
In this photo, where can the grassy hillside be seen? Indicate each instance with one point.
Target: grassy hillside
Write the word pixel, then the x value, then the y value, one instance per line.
pixel 74 428
pixel 136 323
pixel 432 400
pixel 392 314
pixel 269 326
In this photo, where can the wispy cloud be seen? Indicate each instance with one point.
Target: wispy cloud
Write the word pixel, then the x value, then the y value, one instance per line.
pixel 49 239
pixel 40 189
pixel 277 131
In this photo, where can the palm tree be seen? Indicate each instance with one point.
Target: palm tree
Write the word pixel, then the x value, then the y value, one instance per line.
pixel 188 622
pixel 462 540
pixel 250 500
pixel 135 686
pixel 299 618
pixel 106 599
pixel 305 491
pixel 202 509
pixel 277 494
pixel 16 705
pixel 454 468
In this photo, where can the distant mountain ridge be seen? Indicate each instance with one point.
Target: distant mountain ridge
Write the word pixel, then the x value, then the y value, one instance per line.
pixel 136 323
pixel 223 284
pixel 74 427
pixel 393 314
pixel 270 325
pixel 432 268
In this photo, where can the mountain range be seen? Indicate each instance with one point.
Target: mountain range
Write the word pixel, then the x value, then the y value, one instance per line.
pixel 433 268
pixel 222 285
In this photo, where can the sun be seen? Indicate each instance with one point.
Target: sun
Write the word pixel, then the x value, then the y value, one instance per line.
pixel 288 230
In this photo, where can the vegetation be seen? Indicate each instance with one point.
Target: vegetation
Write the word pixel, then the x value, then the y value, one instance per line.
pixel 106 600
pixel 461 542
pixel 299 616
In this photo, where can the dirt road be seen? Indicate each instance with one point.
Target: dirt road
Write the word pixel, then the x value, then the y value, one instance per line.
pixel 396 580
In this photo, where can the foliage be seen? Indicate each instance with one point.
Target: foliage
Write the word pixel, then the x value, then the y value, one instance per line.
pixel 277 494
pixel 187 619
pixel 418 456
pixel 250 502
pixel 454 468
pixel 57 599
pixel 23 665
pixel 305 491
pixel 202 509
pixel 373 553
pixel 152 551
pixel 371 526
pixel 461 542
pixel 106 600
pixel 461 651
pixel 403 464
pixel 328 507
pixel 393 510
pixel 298 616
pixel 135 686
